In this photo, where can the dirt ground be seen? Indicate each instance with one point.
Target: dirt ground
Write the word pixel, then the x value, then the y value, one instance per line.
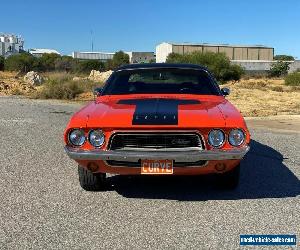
pixel 264 97
pixel 11 83
pixel 283 123
pixel 253 97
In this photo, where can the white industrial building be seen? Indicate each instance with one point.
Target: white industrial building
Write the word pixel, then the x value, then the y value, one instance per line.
pixel 102 56
pixel 255 59
pixel 233 52
pixel 10 44
pixel 134 56
pixel 40 52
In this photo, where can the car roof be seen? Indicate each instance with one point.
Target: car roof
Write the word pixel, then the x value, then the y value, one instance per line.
pixel 161 66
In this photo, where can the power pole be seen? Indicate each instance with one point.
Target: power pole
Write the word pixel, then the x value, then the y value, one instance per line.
pixel 92 42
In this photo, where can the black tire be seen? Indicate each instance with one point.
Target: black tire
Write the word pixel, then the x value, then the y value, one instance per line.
pixel 91 181
pixel 230 179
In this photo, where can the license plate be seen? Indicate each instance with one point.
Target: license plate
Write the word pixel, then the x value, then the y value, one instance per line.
pixel 157 167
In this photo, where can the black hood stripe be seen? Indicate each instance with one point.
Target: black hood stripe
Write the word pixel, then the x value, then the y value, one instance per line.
pixel 156 111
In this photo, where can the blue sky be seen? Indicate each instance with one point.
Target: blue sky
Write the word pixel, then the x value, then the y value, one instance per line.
pixel 139 25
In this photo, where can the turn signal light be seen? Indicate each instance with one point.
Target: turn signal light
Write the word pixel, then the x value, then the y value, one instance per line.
pixel 93 167
pixel 220 167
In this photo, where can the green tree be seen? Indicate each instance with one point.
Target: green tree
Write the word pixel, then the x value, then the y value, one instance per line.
pixel 47 61
pixel 120 58
pixel 85 66
pixel 23 62
pixel 279 68
pixel 1 63
pixel 217 63
pixel 284 58
pixel 65 63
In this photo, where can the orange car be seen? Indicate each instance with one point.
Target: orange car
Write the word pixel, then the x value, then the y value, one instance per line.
pixel 158 119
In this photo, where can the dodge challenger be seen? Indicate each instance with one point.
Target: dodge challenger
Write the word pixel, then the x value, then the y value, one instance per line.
pixel 158 119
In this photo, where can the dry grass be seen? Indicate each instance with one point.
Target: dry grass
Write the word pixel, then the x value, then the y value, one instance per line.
pixel 264 97
pixel 63 86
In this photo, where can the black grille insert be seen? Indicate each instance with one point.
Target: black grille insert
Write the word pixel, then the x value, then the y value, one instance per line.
pixel 154 141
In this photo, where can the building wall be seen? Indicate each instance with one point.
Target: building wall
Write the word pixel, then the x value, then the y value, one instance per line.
pixel 93 55
pixel 1 48
pixel 232 52
pixel 227 50
pixel 162 51
pixel 140 57
pixel 213 49
pixel 10 44
pixel 260 66
pixel 189 49
pixel 294 66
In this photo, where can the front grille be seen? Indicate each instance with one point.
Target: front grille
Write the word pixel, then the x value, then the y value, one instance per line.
pixel 138 164
pixel 155 141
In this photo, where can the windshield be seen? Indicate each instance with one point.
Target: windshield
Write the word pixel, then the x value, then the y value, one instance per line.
pixel 161 81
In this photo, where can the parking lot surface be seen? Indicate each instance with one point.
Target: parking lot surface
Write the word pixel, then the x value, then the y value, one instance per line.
pixel 43 207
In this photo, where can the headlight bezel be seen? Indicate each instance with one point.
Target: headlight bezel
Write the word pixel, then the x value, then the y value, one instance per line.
pixel 70 141
pixel 89 137
pixel 244 137
pixel 224 138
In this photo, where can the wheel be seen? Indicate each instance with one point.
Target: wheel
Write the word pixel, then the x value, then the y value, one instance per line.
pixel 91 181
pixel 230 179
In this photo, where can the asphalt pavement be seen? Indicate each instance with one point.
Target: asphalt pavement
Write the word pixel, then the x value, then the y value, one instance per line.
pixel 42 205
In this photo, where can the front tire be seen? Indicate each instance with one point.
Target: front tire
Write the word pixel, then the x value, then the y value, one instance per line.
pixel 90 181
pixel 230 179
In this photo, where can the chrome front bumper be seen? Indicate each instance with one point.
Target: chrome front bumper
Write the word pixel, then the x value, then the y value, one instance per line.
pixel 178 156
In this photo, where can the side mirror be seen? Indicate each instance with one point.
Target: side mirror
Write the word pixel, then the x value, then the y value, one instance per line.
pixel 97 91
pixel 225 91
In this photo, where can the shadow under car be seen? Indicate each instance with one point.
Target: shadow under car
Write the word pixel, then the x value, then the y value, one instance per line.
pixel 263 175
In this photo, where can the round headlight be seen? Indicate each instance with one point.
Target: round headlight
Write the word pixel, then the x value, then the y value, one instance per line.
pixel 236 137
pixel 96 138
pixel 216 138
pixel 77 137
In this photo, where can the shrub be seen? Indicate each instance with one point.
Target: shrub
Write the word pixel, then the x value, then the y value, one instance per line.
pixel 61 86
pixel 261 85
pixel 85 66
pixel 64 63
pixel 279 68
pixel 284 58
pixel 234 72
pixel 120 58
pixel 1 63
pixel 23 62
pixel 47 61
pixel 217 63
pixel 277 88
pixel 292 79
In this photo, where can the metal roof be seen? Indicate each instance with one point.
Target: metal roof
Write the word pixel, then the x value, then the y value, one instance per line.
pixel 94 52
pixel 219 45
pixel 43 51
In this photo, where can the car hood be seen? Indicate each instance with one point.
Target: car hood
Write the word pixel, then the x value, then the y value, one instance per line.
pixel 169 111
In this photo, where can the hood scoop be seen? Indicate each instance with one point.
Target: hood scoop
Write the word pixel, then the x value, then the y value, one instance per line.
pixel 158 111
